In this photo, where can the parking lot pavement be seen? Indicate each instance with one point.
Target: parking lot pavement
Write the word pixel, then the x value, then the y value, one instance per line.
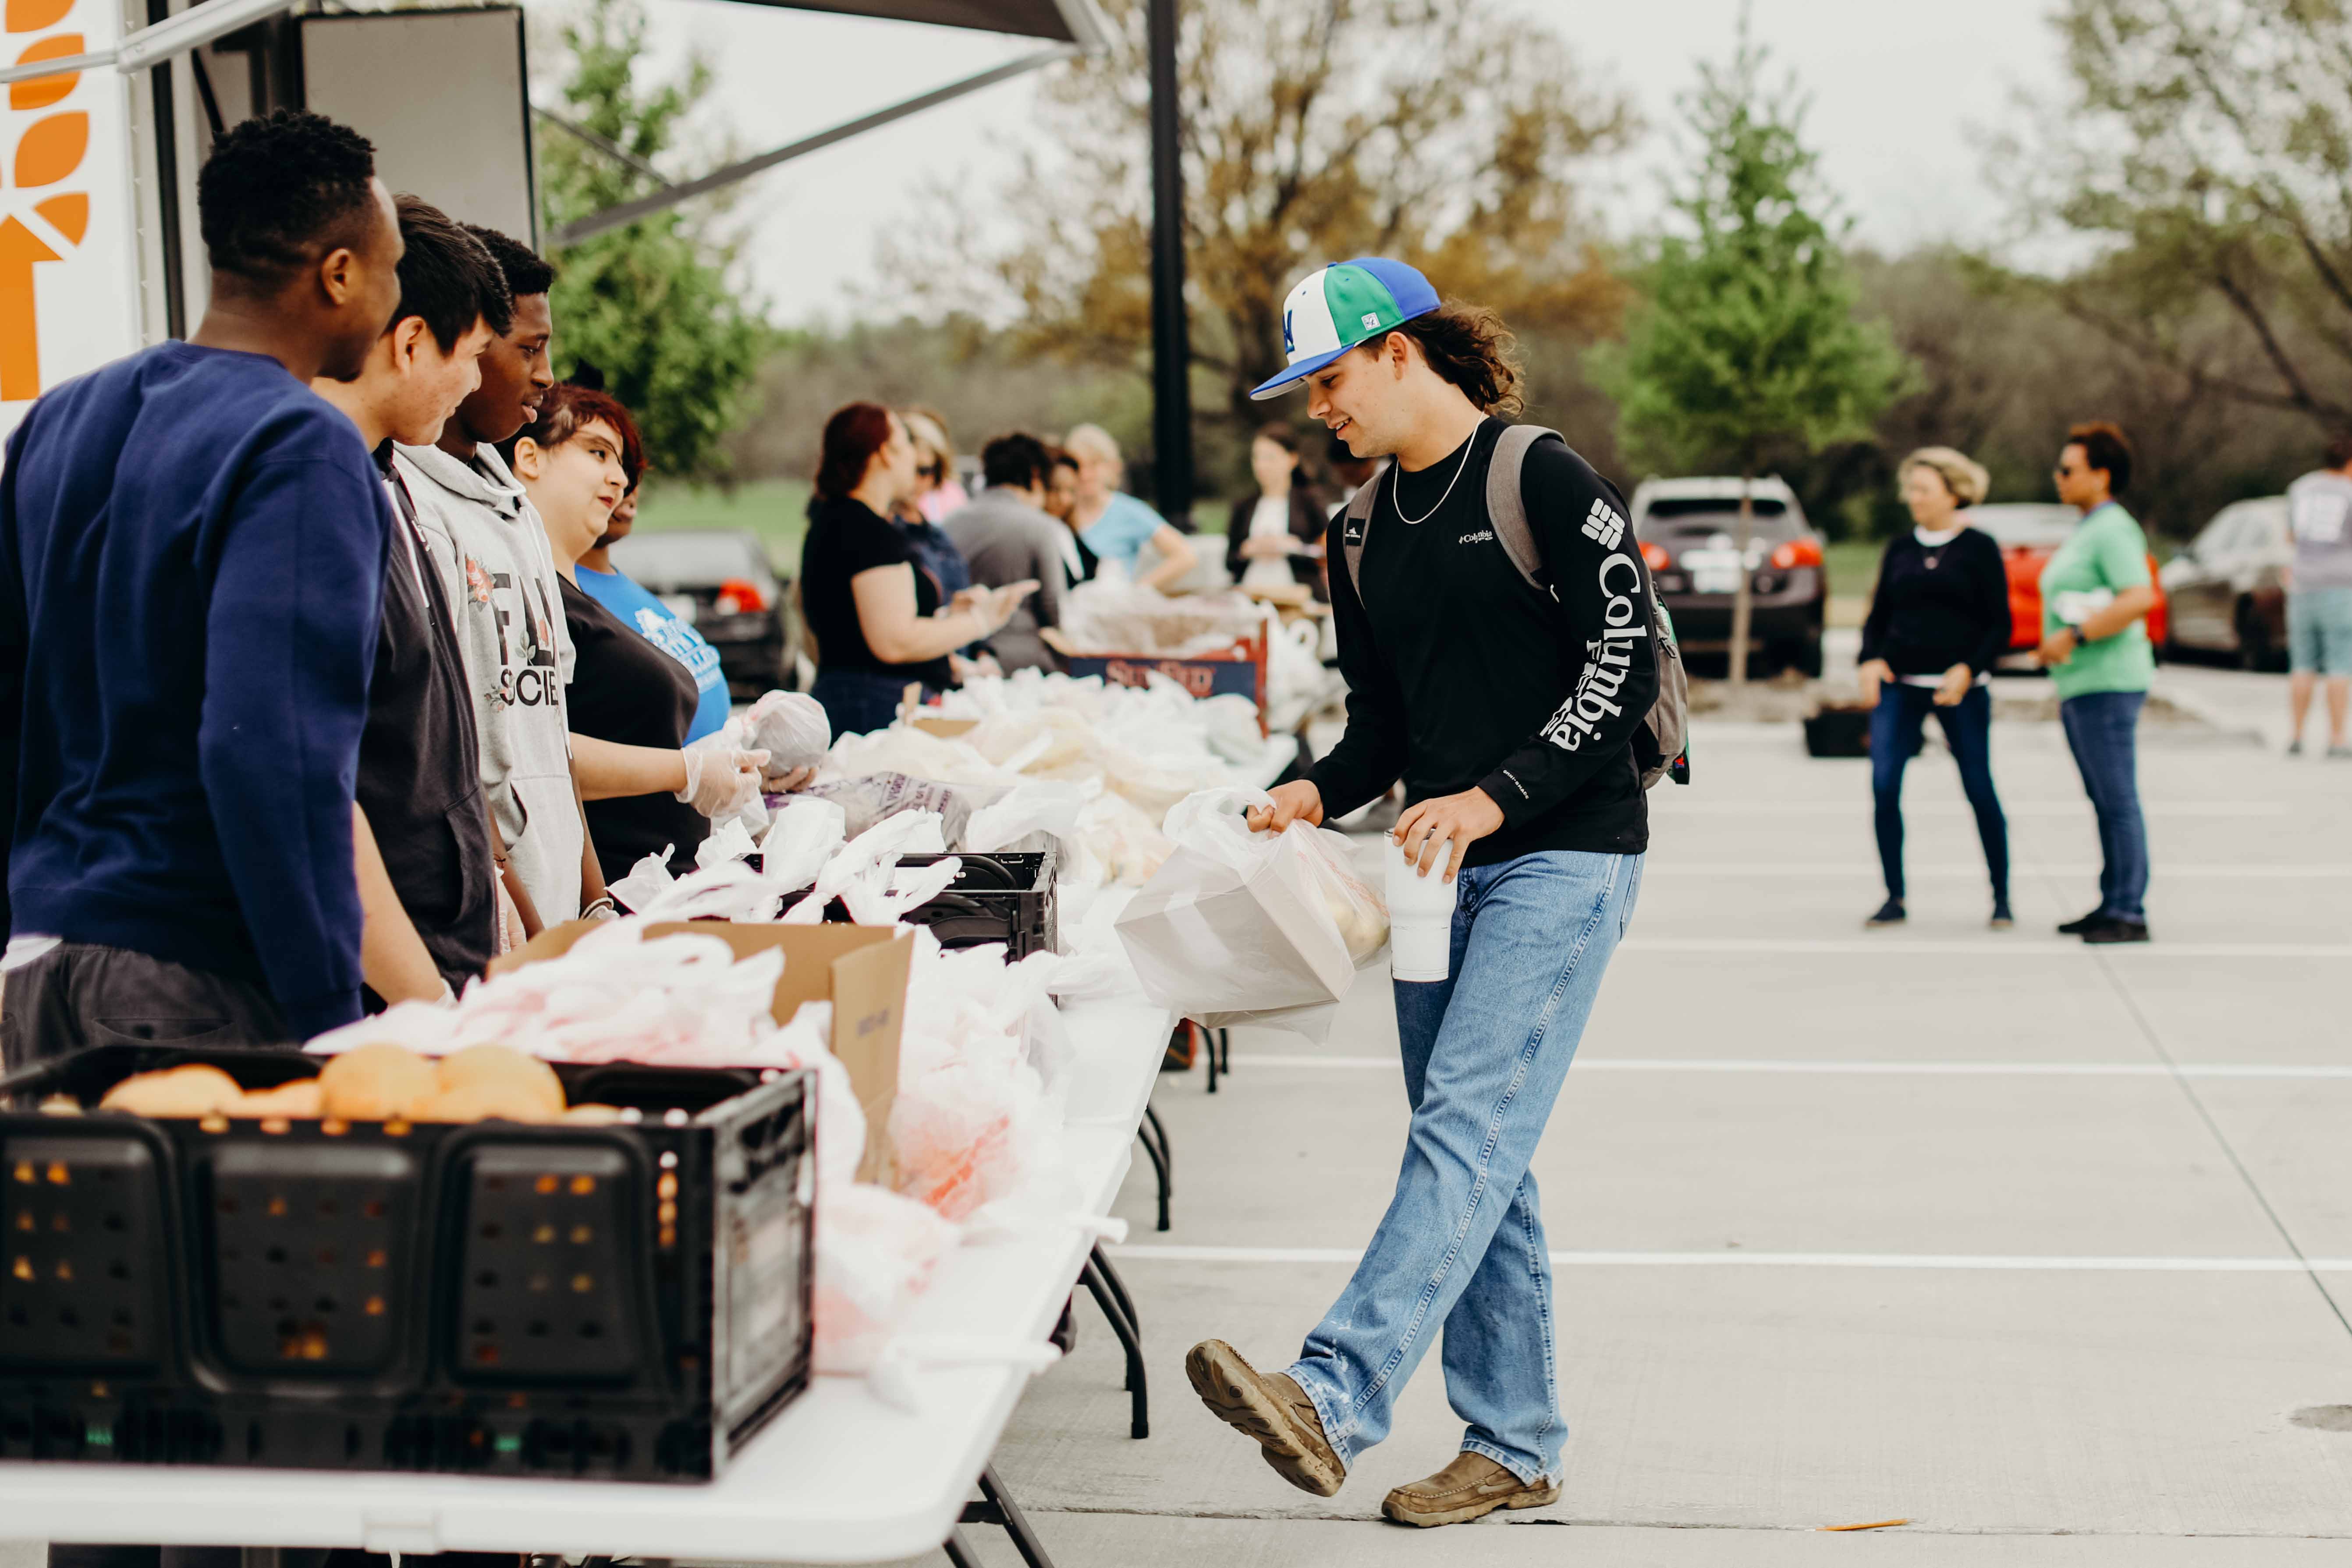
pixel 2038 1246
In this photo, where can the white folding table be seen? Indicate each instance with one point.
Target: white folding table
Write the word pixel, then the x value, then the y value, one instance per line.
pixel 840 1477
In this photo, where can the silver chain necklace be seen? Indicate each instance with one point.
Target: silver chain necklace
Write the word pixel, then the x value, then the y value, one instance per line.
pixel 1396 487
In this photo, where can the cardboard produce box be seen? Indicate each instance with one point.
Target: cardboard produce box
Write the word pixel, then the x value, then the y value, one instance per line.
pixel 861 970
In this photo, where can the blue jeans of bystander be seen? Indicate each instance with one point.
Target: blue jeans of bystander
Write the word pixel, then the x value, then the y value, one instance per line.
pixel 2103 732
pixel 1895 725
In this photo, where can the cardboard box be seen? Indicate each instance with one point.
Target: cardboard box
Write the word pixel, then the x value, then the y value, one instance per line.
pixel 861 970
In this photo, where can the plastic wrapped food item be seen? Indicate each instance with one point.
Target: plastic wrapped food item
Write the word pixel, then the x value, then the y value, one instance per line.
pixel 791 727
pixel 866 800
pixel 1118 617
pixel 875 1251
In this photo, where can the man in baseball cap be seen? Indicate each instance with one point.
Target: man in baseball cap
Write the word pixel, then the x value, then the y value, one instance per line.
pixel 1344 305
pixel 1511 695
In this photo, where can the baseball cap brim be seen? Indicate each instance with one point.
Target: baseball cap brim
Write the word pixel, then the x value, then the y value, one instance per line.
pixel 1296 375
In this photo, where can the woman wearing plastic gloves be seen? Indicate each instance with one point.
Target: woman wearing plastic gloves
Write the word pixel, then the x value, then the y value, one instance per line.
pixel 1939 619
pixel 631 703
pixel 1516 716
pixel 877 621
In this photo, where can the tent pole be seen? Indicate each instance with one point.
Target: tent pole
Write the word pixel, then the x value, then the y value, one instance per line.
pixel 1172 352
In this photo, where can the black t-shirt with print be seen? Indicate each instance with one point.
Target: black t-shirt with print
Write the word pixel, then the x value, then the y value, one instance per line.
pixel 846 537
pixel 1461 674
pixel 627 691
pixel 420 777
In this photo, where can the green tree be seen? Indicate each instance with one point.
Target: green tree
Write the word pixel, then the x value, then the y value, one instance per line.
pixel 649 304
pixel 1747 346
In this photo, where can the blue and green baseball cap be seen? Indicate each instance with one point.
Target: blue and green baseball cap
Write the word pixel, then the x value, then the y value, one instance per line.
pixel 1343 305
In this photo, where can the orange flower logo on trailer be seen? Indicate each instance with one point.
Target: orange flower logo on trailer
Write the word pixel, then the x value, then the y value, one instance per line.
pixel 51 144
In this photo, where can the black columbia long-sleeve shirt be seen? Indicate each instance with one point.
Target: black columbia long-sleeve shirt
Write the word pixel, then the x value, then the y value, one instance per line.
pixel 1461 674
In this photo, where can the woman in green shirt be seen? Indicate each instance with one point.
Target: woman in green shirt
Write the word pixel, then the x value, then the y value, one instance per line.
pixel 2095 595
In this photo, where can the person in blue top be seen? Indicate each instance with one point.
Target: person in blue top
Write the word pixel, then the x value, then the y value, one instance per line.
pixel 1115 525
pixel 192 553
pixel 654 621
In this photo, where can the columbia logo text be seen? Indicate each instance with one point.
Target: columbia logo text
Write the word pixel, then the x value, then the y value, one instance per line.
pixel 1603 526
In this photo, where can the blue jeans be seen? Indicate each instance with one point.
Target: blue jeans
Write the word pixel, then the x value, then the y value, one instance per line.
pixel 1463 1244
pixel 858 701
pixel 1895 725
pixel 2102 730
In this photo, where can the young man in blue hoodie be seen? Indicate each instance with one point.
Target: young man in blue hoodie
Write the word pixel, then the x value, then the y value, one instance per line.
pixel 192 550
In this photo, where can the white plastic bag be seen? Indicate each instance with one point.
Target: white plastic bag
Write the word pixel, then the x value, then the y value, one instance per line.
pixel 1242 927
pixel 875 1253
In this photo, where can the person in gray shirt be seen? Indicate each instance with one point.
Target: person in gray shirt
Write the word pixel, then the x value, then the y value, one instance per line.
pixel 1007 537
pixel 2319 594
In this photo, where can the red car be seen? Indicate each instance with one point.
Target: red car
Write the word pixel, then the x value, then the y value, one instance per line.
pixel 2029 533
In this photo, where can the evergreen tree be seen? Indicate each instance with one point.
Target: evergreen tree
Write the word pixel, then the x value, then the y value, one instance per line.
pixel 1747 344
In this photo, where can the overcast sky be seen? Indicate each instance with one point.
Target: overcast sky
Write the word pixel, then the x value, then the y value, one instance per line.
pixel 1902 91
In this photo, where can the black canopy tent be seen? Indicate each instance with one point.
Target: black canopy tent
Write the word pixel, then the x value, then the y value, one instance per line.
pixel 1069 26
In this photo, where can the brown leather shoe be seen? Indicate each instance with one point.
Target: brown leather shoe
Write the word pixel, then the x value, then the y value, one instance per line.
pixel 1274 1410
pixel 1471 1487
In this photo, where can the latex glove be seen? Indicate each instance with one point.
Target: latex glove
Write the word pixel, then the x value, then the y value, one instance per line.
pixel 722 778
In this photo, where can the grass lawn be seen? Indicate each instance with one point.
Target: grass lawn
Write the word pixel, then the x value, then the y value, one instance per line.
pixel 776 509
pixel 1854 566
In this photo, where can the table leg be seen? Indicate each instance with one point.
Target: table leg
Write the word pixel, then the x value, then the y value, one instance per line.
pixel 996 1507
pixel 1154 1139
pixel 1108 1298
pixel 1208 1038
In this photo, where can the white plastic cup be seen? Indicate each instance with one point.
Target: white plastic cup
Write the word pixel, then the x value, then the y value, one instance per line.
pixel 1420 916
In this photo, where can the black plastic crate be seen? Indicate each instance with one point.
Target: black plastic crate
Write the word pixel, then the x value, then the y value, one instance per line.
pixel 1006 897
pixel 628 1302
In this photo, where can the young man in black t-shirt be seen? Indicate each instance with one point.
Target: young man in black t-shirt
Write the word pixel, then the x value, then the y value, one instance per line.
pixel 1511 714
pixel 425 874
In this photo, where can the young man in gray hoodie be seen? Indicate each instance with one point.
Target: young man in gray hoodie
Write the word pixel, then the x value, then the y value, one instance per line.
pixel 492 551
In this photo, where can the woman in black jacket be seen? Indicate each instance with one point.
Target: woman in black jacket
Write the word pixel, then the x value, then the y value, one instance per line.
pixel 1939 619
pixel 1276 535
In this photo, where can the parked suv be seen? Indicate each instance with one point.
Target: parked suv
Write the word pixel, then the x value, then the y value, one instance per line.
pixel 718 581
pixel 2227 586
pixel 1690 530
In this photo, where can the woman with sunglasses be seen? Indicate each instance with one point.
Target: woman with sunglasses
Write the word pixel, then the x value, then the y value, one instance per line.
pixel 919 515
pixel 2096 592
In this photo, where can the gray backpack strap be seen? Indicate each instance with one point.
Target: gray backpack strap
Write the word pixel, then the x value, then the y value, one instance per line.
pixel 1507 503
pixel 1352 523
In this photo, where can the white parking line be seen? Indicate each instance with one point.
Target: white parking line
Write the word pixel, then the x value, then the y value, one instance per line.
pixel 1782 870
pixel 1833 1066
pixel 1147 1252
pixel 1771 805
pixel 1989 945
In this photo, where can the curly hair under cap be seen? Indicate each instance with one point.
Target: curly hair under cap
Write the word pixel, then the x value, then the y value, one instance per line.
pixel 1962 475
pixel 1469 346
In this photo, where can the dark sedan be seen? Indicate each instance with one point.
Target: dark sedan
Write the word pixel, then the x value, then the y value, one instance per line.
pixel 719 581
pixel 1688 528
